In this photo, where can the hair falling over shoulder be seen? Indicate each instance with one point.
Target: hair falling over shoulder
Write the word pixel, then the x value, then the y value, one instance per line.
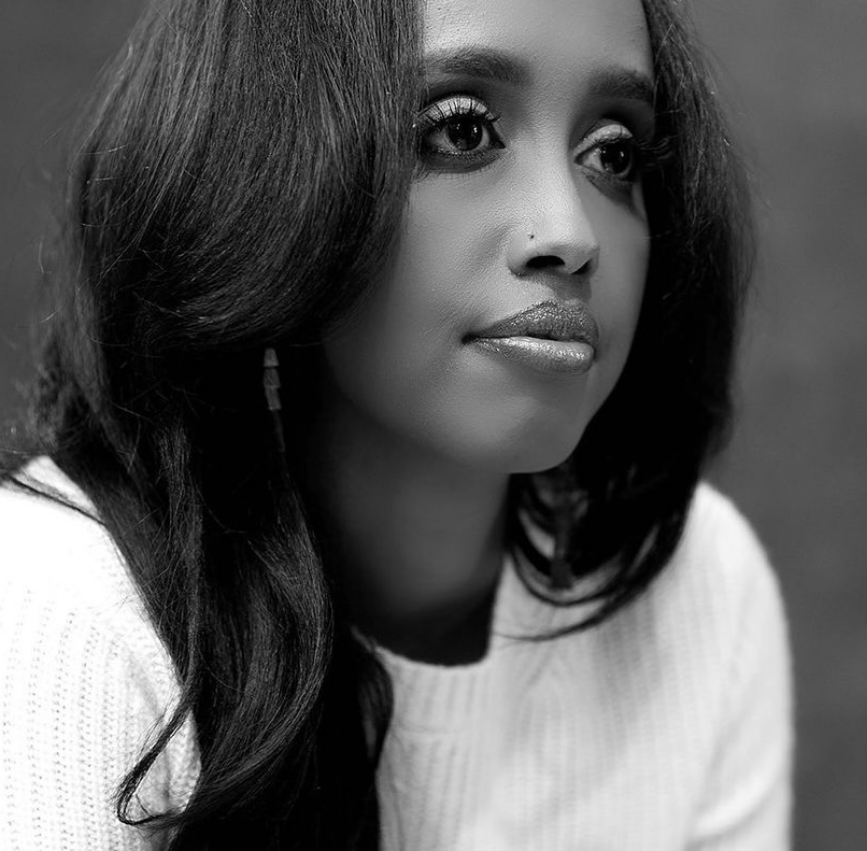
pixel 235 191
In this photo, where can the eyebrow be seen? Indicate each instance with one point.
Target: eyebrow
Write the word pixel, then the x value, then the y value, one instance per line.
pixel 615 82
pixel 482 63
pixel 622 84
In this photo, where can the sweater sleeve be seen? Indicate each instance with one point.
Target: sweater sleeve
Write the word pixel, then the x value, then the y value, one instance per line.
pixel 84 682
pixel 73 721
pixel 747 800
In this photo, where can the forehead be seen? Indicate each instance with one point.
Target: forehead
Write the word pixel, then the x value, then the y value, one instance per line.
pixel 551 36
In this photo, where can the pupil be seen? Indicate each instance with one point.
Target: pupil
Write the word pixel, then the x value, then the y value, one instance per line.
pixel 465 134
pixel 616 158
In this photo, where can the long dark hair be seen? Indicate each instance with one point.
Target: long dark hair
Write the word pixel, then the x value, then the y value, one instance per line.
pixel 618 505
pixel 243 176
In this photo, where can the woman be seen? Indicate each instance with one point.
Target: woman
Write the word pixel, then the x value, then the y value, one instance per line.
pixel 447 580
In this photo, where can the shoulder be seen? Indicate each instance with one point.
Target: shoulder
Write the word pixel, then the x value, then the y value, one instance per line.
pixel 718 583
pixel 712 626
pixel 54 548
pixel 715 527
pixel 86 681
pixel 720 562
pixel 721 658
pixel 712 619
pixel 718 572
pixel 64 583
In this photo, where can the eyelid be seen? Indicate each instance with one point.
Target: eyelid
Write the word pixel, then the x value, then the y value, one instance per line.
pixel 449 106
pixel 605 133
pixel 654 152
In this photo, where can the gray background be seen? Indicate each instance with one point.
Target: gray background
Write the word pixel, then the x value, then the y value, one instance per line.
pixel 793 73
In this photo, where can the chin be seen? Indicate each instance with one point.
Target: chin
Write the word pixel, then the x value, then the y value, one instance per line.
pixel 537 459
pixel 499 436
pixel 525 452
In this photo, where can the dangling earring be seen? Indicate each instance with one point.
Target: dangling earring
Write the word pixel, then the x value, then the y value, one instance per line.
pixel 271 383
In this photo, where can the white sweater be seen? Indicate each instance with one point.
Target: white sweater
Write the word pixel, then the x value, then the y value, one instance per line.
pixel 669 727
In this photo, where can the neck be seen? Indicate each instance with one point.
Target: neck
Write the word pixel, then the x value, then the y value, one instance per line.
pixel 416 540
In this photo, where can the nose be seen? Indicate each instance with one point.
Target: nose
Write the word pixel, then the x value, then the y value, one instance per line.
pixel 553 231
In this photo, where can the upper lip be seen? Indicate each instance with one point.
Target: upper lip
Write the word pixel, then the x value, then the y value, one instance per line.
pixel 548 320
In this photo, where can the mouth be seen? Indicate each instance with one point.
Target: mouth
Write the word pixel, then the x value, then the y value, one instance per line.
pixel 567 322
pixel 549 337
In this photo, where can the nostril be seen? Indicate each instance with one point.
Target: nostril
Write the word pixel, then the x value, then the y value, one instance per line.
pixel 545 261
pixel 586 268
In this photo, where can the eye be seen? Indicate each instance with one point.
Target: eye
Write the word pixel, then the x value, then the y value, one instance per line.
pixel 613 153
pixel 460 127
pixel 618 159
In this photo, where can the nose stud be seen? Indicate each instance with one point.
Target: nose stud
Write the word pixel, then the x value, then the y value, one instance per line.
pixel 532 237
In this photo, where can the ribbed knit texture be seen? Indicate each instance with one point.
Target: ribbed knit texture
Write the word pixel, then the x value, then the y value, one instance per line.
pixel 669 727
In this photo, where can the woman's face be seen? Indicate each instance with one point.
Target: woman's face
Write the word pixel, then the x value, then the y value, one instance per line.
pixel 528 204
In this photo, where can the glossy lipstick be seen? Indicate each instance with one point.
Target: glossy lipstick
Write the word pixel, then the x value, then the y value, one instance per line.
pixel 552 337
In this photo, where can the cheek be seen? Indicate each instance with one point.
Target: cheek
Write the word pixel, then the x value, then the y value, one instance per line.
pixel 406 332
pixel 448 250
pixel 393 357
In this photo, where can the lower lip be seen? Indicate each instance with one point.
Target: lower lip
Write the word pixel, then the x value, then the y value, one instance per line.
pixel 551 356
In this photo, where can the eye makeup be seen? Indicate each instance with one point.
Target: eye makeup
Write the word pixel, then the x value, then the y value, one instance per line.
pixel 459 130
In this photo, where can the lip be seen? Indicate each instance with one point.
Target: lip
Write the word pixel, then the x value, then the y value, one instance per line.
pixel 549 320
pixel 553 337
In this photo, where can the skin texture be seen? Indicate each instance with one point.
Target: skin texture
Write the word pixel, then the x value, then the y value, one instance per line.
pixel 419 429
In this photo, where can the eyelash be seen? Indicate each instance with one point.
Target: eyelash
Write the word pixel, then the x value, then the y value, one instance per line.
pixel 648 154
